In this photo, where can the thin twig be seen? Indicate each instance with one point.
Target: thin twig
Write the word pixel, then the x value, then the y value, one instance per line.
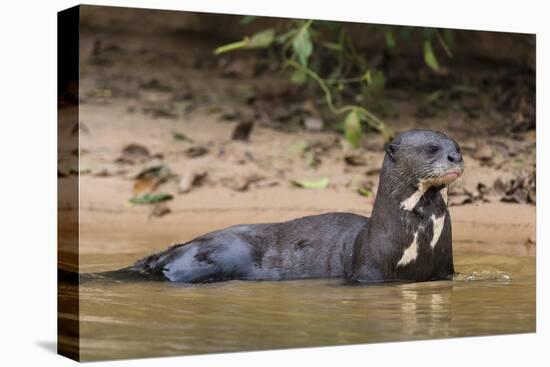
pixel 444 44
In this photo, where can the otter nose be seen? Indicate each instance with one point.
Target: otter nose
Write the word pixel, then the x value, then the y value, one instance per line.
pixel 454 157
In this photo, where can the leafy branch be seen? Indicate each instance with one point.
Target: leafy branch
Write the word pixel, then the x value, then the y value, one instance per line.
pixel 354 112
pixel 299 50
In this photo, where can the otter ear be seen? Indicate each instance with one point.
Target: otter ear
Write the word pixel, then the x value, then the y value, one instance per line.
pixel 391 149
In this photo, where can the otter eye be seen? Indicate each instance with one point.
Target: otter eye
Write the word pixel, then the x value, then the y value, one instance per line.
pixel 433 149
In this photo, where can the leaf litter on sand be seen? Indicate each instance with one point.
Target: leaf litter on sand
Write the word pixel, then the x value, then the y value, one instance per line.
pixel 520 189
pixel 313 151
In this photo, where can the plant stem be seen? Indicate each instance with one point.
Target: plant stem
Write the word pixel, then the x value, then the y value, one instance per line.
pixel 369 117
pixel 232 46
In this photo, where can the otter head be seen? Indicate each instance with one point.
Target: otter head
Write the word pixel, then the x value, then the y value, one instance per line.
pixel 424 158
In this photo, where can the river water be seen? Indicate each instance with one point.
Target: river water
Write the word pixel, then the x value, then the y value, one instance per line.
pixel 492 294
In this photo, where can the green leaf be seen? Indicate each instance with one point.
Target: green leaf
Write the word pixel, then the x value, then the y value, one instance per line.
pixel 363 191
pixel 155 171
pixel 247 19
pixel 282 38
pixel 321 184
pixel 340 126
pixel 151 198
pixel 261 39
pixel 298 77
pixel 231 46
pixel 333 46
pixel 376 81
pixel 390 41
pixel 298 147
pixel 435 96
pixel 352 128
pixel 368 76
pixel 429 56
pixel 302 45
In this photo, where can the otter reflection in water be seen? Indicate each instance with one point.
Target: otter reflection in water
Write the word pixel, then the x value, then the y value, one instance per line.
pixel 407 238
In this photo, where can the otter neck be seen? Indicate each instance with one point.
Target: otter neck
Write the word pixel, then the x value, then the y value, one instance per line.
pixel 403 193
pixel 402 207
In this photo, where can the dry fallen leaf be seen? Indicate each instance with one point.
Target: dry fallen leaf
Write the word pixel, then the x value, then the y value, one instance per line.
pixel 355 159
pixel 242 131
pixel 190 179
pixel 109 172
pixel 373 171
pixel 196 151
pixel 148 179
pixel 240 183
pixel 144 185
pixel 134 153
pixel 159 210
pixel 483 152
pixel 266 183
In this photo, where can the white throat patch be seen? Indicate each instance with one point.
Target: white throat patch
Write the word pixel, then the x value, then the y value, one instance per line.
pixel 409 203
pixel 438 224
pixel 410 252
pixel 445 195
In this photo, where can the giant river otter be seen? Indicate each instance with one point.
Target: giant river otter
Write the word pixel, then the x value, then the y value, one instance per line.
pixel 407 238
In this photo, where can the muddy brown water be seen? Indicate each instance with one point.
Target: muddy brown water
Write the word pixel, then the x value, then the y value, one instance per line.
pixel 493 294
